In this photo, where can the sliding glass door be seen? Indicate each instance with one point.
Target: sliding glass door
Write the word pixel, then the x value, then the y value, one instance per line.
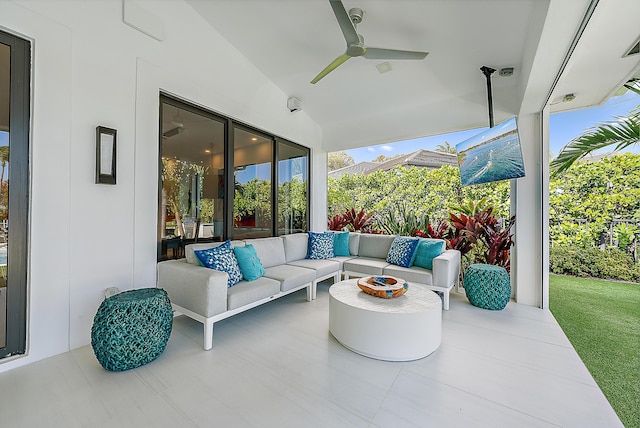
pixel 221 179
pixel 15 60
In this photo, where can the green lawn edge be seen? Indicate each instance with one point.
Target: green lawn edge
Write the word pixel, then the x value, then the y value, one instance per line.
pixel 602 321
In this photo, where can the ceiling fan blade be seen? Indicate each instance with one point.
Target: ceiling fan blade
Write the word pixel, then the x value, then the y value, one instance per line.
pixel 347 27
pixel 172 132
pixel 379 53
pixel 329 68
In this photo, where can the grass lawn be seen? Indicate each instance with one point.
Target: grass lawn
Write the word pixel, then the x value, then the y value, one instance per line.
pixel 602 321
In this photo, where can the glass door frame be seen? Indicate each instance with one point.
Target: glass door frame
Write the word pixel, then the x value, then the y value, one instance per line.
pixel 17 242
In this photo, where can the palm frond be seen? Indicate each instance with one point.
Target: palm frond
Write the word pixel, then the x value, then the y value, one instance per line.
pixel 621 134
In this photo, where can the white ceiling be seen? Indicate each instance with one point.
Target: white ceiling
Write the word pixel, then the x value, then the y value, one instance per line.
pixel 291 41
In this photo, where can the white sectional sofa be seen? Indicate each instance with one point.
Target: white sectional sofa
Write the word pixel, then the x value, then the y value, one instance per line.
pixel 203 294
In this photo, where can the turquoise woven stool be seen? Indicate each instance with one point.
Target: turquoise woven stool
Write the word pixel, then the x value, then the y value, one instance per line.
pixel 487 286
pixel 131 328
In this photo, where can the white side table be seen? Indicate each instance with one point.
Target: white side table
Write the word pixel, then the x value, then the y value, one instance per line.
pixel 403 328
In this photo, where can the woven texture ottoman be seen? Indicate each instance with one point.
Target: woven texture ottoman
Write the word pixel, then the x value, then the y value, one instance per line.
pixel 131 328
pixel 487 286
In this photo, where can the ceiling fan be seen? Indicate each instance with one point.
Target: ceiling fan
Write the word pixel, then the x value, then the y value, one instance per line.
pixel 178 124
pixel 355 42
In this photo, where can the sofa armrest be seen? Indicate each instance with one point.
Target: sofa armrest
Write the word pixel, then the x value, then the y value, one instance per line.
pixel 446 268
pixel 196 288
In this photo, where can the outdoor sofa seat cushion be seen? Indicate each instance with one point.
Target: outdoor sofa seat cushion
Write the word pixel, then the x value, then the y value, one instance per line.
pixel 341 260
pixel 246 292
pixel 366 265
pixel 411 274
pixel 289 276
pixel 321 267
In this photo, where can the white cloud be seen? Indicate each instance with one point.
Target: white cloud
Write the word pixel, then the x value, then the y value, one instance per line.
pixel 386 148
pixel 371 149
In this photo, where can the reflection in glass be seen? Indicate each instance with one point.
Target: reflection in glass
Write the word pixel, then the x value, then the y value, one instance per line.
pixel 5 56
pixel 292 188
pixel 193 193
pixel 252 203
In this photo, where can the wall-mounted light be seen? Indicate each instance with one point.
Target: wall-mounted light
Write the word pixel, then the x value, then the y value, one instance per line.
pixel 105 155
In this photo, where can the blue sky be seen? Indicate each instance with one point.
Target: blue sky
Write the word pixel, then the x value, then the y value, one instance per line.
pixel 563 127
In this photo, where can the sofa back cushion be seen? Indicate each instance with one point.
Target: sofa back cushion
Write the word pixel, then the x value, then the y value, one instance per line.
pixel 269 250
pixel 354 242
pixel 191 257
pixel 295 246
pixel 376 246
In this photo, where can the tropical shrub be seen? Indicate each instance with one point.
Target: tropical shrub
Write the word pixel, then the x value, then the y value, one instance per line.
pixel 401 219
pixel 610 263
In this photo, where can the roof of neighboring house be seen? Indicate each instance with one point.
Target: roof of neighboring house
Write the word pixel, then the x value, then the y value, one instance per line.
pixel 420 158
pixel 358 168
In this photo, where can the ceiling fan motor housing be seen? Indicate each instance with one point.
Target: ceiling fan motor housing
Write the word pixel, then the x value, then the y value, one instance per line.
pixel 356 15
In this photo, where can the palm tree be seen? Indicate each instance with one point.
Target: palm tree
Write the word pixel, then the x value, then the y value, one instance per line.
pixel 622 133
pixel 445 148
pixel 4 158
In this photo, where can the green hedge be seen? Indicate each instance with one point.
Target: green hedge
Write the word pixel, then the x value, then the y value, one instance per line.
pixel 593 262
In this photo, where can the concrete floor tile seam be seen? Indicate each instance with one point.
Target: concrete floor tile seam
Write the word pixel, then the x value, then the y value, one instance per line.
pixel 566 345
pixel 167 399
pixel 487 400
pixel 386 395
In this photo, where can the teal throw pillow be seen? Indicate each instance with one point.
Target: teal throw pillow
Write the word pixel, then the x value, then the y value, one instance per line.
pixel 402 251
pixel 221 258
pixel 428 249
pixel 320 246
pixel 341 244
pixel 250 264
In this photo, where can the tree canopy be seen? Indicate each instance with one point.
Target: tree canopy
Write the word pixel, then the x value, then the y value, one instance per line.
pixel 337 160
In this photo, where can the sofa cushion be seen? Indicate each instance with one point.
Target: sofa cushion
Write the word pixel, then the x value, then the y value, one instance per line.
pixel 221 258
pixel 191 257
pixel 320 246
pixel 249 262
pixel 412 274
pixel 374 246
pixel 402 251
pixel 290 276
pixel 354 243
pixel 269 250
pixel 245 292
pixel 341 244
pixel 427 250
pixel 365 265
pixel 341 260
pixel 295 246
pixel 322 267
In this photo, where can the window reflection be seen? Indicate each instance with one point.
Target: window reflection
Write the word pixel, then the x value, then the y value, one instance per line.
pixel 253 202
pixel 193 192
pixel 292 188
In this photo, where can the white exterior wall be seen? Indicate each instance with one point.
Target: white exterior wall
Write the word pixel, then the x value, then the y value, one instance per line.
pixel 90 69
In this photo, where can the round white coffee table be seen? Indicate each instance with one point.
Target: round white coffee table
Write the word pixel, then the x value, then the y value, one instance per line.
pixel 404 328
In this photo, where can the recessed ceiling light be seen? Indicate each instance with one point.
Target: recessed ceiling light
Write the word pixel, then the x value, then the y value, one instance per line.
pixel 254 139
pixel 207 151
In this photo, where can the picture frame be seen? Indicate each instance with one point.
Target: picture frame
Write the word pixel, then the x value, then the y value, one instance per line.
pixel 105 155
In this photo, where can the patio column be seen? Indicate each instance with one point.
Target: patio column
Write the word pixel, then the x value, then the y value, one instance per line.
pixel 529 203
pixel 318 188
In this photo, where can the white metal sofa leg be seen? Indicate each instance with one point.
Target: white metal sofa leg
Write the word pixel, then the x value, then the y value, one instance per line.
pixel 311 292
pixel 445 300
pixel 208 334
